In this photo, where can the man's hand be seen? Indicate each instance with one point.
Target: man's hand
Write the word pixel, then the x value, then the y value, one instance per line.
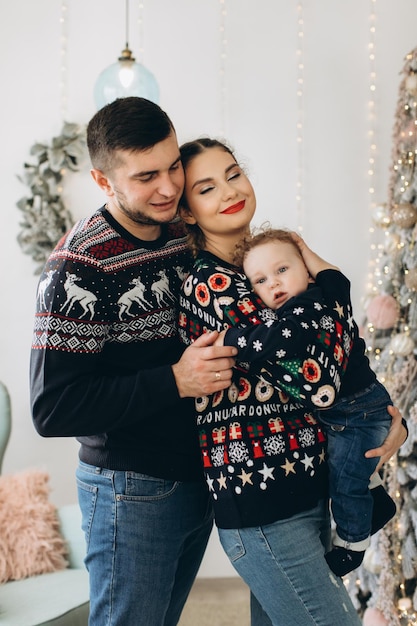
pixel 395 439
pixel 204 368
pixel 220 339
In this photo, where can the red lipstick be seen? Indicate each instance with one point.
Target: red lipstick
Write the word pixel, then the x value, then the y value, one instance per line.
pixel 235 208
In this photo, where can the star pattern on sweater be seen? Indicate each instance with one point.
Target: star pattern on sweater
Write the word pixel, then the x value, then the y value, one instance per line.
pixel 257 345
pixel 245 477
pixel 267 472
pixel 288 467
pixel 286 333
pixel 339 309
pixel 298 310
pixel 222 481
pixel 307 461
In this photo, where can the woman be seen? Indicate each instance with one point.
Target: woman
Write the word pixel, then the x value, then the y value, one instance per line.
pixel 263 453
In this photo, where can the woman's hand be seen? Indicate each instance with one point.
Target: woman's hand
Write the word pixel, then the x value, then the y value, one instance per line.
pixel 395 439
pixel 313 262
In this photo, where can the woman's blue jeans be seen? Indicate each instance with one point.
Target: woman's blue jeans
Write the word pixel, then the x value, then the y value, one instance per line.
pixel 145 539
pixel 283 564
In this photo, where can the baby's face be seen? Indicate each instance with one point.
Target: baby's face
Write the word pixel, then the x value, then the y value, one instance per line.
pixel 276 272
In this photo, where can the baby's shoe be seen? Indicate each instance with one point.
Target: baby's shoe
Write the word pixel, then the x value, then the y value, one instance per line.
pixel 384 508
pixel 342 561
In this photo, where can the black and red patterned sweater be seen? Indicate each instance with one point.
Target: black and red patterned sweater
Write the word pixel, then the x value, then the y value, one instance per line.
pixel 104 340
pixel 262 449
pixel 305 332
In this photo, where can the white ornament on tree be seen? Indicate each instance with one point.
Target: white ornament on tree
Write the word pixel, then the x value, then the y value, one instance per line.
pixel 407 615
pixel 381 215
pixel 401 344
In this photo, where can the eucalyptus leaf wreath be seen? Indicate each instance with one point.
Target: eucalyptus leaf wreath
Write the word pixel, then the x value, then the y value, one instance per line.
pixel 45 217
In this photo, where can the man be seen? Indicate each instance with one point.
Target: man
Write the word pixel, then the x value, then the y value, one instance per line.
pixel 108 368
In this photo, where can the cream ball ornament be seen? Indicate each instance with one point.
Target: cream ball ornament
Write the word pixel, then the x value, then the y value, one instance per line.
pixel 404 215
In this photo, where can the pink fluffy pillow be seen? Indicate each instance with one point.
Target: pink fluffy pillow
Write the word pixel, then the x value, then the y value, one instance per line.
pixel 30 541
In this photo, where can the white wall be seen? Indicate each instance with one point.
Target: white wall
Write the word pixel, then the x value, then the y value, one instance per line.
pixel 258 114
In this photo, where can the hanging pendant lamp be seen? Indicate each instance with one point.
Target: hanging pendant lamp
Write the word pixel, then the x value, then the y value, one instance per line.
pixel 125 78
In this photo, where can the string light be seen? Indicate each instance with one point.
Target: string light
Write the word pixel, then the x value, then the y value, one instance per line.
pixel 141 33
pixel 378 212
pixel 371 103
pixel 63 68
pixel 223 62
pixel 299 198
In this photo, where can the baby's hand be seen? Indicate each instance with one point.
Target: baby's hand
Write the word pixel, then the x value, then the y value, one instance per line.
pixel 220 339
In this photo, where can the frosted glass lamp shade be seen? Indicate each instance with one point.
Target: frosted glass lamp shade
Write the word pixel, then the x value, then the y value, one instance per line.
pixel 122 79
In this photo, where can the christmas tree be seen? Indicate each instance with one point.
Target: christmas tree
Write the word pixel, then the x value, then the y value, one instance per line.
pixel 384 588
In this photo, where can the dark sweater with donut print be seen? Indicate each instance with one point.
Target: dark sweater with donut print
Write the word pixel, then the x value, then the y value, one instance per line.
pixel 262 449
pixel 293 335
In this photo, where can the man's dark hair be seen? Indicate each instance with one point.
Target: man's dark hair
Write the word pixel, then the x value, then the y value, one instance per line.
pixel 132 124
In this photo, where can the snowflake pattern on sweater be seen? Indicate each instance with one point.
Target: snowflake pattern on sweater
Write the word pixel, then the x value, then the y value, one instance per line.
pixel 263 451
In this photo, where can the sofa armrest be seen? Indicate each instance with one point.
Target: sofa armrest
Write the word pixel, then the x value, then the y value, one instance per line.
pixel 70 527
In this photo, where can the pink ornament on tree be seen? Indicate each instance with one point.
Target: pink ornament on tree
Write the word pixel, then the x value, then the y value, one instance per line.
pixel 374 617
pixel 383 311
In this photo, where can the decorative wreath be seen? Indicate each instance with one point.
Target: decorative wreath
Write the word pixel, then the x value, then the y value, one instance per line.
pixel 45 217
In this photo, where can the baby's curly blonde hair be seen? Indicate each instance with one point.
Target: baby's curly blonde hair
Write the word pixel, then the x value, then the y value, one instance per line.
pixel 260 235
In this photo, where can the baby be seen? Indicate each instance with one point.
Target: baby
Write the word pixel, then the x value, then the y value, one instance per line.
pixel 357 420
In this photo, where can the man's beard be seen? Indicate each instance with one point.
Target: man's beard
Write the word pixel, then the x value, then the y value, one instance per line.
pixel 137 216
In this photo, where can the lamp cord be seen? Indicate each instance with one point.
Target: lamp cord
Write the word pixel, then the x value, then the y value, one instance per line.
pixel 127 23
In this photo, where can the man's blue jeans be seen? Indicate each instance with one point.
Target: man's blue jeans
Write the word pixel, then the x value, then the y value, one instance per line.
pixel 145 541
pixel 283 563
pixel 354 425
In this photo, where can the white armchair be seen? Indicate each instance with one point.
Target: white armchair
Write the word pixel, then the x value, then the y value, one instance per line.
pixel 54 599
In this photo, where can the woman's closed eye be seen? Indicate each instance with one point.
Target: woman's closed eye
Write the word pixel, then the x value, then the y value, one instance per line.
pixel 206 189
pixel 233 175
